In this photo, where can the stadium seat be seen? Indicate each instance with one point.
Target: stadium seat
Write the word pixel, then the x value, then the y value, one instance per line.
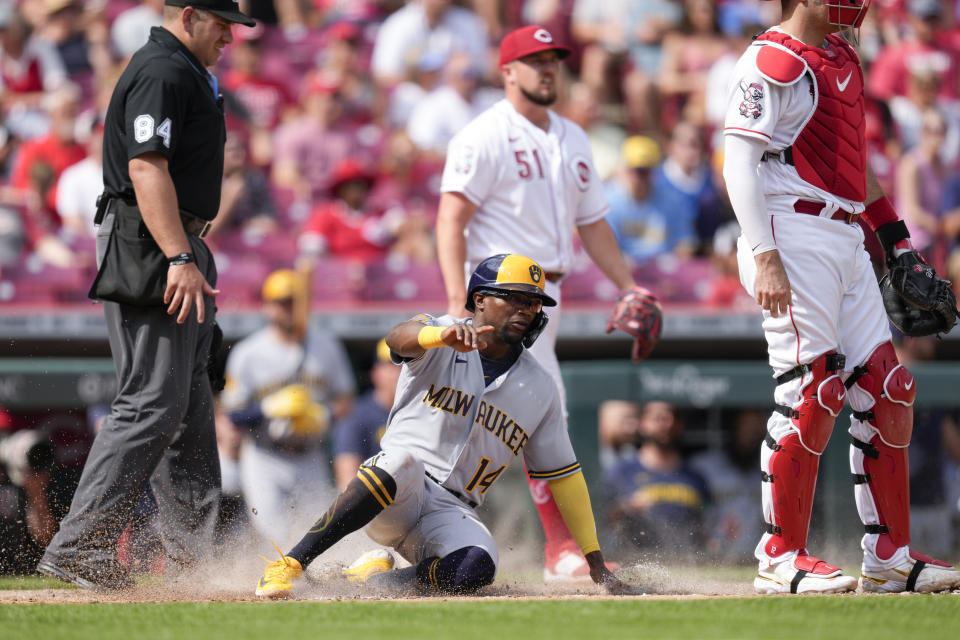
pixel 337 281
pixel 587 283
pixel 239 279
pixel 403 280
pixel 37 283
pixel 677 280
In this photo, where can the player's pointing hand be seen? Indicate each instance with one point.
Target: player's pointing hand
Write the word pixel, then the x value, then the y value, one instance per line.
pixel 465 337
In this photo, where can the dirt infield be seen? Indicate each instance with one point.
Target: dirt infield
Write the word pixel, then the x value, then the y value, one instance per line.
pixel 653 583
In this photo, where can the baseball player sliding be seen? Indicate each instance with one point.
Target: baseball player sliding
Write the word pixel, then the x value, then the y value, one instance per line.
pixel 520 178
pixel 470 400
pixel 798 179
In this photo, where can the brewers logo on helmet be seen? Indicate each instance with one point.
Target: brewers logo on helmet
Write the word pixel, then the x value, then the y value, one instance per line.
pixel 508 271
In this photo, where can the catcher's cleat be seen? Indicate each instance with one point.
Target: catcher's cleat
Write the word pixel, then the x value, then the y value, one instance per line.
pixel 368 565
pixel 102 576
pixel 802 573
pixel 570 566
pixel 919 573
pixel 278 577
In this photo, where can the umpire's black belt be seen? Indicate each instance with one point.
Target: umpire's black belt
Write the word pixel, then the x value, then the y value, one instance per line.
pixel 191 224
pixel 459 496
pixel 195 226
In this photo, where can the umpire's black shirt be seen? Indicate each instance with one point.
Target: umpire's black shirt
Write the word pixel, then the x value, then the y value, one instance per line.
pixel 165 102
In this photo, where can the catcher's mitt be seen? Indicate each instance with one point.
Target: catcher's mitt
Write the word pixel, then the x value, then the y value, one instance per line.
pixel 913 320
pixel 638 313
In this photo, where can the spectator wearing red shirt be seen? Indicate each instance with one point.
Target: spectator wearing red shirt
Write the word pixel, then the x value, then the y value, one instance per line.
pixel 58 149
pixel 265 99
pixel 29 67
pixel 36 170
pixel 926 45
pixel 344 227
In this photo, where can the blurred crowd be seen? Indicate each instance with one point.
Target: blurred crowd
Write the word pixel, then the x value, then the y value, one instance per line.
pixel 670 493
pixel 339 114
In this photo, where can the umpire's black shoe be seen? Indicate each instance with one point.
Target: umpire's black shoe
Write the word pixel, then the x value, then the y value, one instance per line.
pixel 104 576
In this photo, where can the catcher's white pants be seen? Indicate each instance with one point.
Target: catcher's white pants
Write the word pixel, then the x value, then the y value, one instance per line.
pixel 836 302
pixel 424 520
pixel 835 306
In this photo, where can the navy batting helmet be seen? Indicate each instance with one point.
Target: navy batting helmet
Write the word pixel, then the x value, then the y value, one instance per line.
pixel 508 271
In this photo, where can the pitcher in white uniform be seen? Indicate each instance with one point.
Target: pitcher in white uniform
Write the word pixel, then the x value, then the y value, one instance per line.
pixel 797 175
pixel 471 399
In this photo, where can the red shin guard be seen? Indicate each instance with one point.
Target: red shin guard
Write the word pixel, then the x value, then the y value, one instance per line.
pixel 793 480
pixel 884 458
pixel 887 474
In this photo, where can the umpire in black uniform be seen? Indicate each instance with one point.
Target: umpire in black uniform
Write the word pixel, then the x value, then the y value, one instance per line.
pixel 162 165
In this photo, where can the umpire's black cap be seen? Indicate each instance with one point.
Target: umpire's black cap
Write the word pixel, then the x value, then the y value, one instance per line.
pixel 227 9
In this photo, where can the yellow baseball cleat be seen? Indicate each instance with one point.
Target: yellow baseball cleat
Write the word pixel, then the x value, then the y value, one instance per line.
pixel 369 564
pixel 278 577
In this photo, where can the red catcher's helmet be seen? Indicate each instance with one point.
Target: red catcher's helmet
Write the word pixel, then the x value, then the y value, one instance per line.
pixel 847 13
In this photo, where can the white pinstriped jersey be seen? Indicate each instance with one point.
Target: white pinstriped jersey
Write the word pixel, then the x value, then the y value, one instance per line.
pixel 467 433
pixel 760 108
pixel 531 186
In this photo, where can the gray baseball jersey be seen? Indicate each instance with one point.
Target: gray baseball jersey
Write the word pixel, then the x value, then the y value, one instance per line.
pixel 465 432
pixel 261 364
pixel 284 479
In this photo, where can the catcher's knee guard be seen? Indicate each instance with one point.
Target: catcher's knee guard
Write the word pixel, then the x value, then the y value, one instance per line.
pixel 790 460
pixel 892 390
pixel 882 392
pixel 820 399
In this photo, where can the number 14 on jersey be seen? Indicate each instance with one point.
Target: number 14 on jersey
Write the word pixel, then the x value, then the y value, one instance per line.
pixel 482 479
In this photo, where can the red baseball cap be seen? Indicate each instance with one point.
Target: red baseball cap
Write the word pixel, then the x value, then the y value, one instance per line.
pixel 321 83
pixel 350 170
pixel 343 30
pixel 526 40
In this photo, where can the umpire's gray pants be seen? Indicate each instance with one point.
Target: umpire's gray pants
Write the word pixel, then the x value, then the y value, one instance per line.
pixel 160 429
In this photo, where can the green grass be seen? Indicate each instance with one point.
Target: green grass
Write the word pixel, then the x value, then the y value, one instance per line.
pixel 8 583
pixel 807 618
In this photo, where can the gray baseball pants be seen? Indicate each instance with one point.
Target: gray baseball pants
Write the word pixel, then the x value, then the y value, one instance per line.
pixel 160 429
